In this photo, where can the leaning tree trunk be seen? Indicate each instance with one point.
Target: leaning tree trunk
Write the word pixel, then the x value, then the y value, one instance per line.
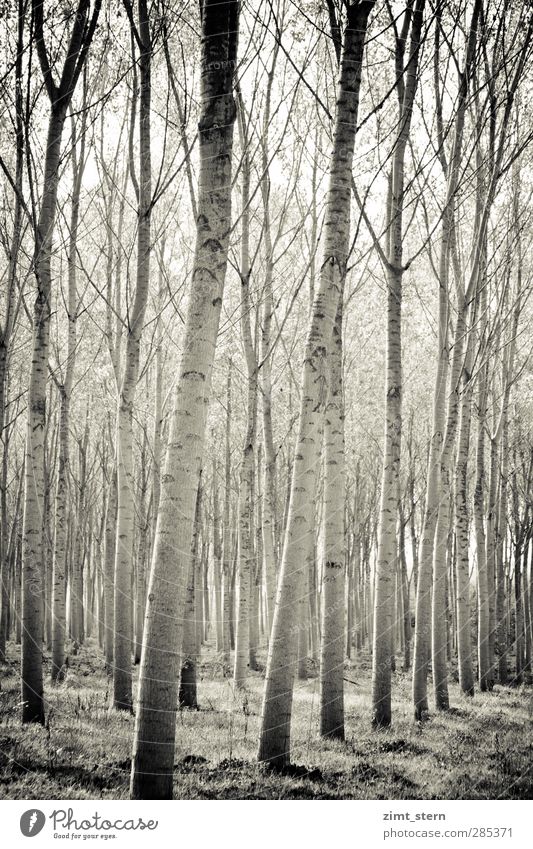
pixel 298 552
pixel 153 748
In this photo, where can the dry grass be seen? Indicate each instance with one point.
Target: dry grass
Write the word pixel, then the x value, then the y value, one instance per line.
pixel 481 749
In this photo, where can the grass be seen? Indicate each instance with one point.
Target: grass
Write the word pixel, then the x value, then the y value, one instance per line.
pixel 480 749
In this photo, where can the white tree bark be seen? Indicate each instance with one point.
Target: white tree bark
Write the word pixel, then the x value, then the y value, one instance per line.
pixel 153 749
pixel 123 617
pixel 32 550
pixel 298 551
pixel 387 549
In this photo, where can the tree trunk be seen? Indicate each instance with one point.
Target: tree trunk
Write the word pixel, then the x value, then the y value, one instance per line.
pixel 187 694
pixel 217 561
pixel 246 554
pixel 122 650
pixel 464 649
pixel 404 594
pixel 142 554
pixel 153 751
pixel 483 594
pixel 61 506
pixel 32 562
pixel 491 553
pixel 333 576
pixel 227 541
pixel 274 744
pixel 440 570
pixel 518 604
pixel 387 550
pixel 6 330
pixel 269 485
pixel 32 550
pixel 433 493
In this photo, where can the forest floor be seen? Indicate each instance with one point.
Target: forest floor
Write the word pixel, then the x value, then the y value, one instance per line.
pixel 481 749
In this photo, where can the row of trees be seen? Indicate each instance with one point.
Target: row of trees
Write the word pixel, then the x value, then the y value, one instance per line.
pixel 177 481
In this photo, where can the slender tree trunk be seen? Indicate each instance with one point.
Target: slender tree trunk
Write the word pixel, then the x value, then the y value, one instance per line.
pixel 6 330
pixel 444 520
pixel 61 506
pixel 483 594
pixel 257 577
pixel 142 554
pixel 501 624
pixel 226 561
pixel 314 612
pixel 464 649
pixel 109 569
pixel 404 595
pixel 153 750
pixel 298 552
pixel 527 605
pixel 32 549
pixel 187 694
pixel 518 602
pixel 387 549
pixel 77 582
pixel 122 650
pixel 269 484
pixel 491 554
pixel 158 397
pixel 333 578
pixel 246 569
pixel 32 562
pixel 303 633
pixel 426 578
pixel 349 606
pixel 199 598
pixel 217 561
